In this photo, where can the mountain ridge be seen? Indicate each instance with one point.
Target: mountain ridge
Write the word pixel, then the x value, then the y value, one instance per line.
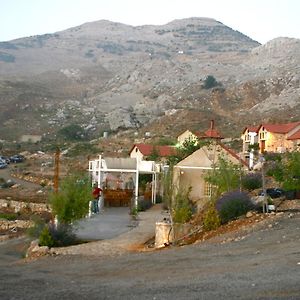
pixel 104 75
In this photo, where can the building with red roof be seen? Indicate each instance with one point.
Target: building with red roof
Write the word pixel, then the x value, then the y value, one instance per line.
pixel 143 151
pixel 192 170
pixel 273 137
pixel 211 133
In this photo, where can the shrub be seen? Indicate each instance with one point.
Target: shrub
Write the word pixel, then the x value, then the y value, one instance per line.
pixel 210 82
pixel 62 235
pixel 211 220
pixel 232 205
pixel 39 225
pixel 8 216
pixel 57 236
pixel 71 203
pixel 182 210
pixel 252 181
pixel 45 238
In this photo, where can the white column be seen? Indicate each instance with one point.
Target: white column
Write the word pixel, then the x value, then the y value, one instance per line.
pixel 136 184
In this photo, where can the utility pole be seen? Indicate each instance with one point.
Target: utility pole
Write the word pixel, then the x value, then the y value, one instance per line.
pixel 56 170
pixel 265 201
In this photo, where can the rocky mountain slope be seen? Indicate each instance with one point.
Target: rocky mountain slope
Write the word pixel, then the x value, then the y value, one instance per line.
pixel 110 76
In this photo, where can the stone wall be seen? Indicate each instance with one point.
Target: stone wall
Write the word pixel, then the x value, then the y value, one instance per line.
pixel 10 225
pixel 18 206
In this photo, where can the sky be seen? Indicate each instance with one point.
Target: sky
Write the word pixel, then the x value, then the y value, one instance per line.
pixel 261 20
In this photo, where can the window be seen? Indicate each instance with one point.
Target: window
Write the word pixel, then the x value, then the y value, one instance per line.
pixel 262 134
pixel 207 189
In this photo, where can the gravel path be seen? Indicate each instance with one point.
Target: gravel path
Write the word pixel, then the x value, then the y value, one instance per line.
pixel 263 264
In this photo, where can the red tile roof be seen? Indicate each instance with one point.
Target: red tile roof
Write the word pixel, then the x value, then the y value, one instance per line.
pixel 251 129
pixel 280 128
pixel 295 136
pixel 147 149
pixel 212 133
pixel 234 154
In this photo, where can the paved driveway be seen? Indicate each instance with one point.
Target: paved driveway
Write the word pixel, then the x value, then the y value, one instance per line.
pixel 108 224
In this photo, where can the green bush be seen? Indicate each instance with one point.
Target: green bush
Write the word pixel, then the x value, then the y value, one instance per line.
pixel 210 82
pixel 62 235
pixel 45 238
pixel 252 181
pixel 8 216
pixel 71 203
pixel 39 225
pixel 181 209
pixel 57 236
pixel 211 220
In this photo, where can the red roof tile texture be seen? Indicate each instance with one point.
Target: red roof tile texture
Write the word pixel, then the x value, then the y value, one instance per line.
pixel 295 136
pixel 280 128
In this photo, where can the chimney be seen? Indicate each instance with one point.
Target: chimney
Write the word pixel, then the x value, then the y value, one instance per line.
pixel 212 124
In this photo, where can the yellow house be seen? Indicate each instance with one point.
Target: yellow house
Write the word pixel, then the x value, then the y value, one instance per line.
pixel 279 137
pixel 191 171
pixel 272 138
pixel 211 133
pixel 187 135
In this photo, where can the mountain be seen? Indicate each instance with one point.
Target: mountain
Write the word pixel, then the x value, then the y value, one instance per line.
pixel 110 76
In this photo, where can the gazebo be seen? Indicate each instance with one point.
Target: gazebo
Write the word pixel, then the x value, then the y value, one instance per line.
pixel 123 176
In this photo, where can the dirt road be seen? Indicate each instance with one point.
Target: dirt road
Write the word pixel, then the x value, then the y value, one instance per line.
pixel 263 264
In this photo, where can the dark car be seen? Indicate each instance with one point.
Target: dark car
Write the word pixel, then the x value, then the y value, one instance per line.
pixel 17 158
pixel 5 159
pixel 274 192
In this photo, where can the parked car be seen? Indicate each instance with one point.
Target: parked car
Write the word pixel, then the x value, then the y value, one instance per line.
pixel 5 159
pixel 273 192
pixel 17 158
pixel 3 164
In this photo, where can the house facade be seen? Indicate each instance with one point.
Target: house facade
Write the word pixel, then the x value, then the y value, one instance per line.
pixel 249 137
pixel 191 171
pixel 277 138
pixel 187 135
pixel 210 133
pixel 143 151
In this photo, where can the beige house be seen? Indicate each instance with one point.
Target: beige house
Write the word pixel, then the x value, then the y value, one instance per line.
pixel 143 151
pixel 191 171
pixel 187 135
pixel 279 137
pixel 272 138
pixel 210 133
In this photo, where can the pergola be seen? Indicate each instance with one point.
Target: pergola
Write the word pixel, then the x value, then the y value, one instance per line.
pixel 100 167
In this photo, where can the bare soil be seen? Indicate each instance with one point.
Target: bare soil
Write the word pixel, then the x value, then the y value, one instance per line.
pixel 261 262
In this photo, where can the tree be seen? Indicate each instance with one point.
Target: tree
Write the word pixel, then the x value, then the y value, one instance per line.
pixel 72 200
pixel 225 176
pixel 291 170
pixel 189 146
pixel 72 132
pixel 285 169
pixel 210 82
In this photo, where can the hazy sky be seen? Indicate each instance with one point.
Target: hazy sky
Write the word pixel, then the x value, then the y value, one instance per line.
pixel 262 20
